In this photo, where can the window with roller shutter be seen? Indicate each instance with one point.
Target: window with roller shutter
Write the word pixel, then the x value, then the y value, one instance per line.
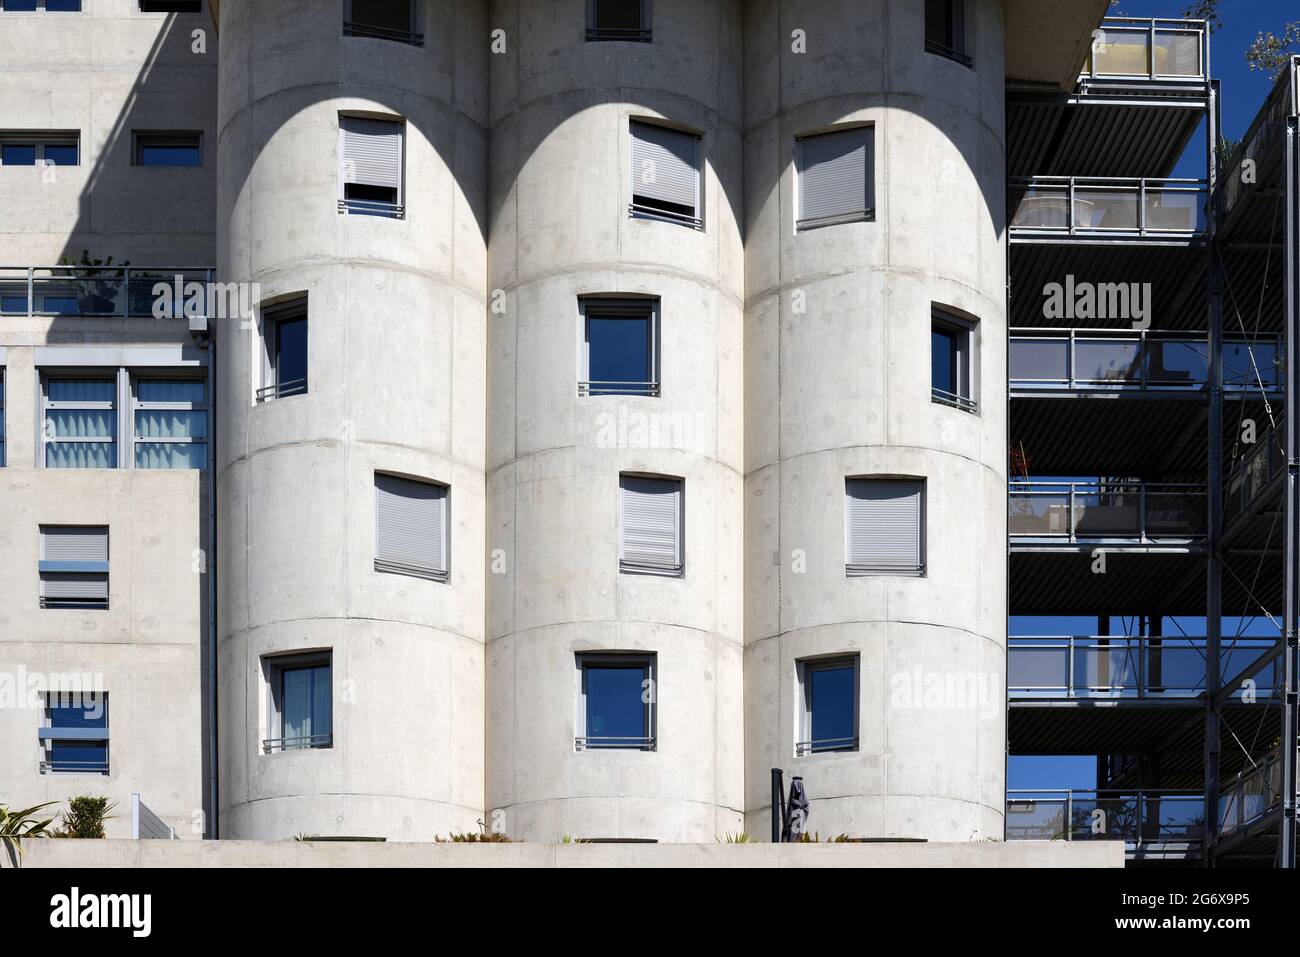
pixel 835 173
pixel 884 526
pixel 73 566
pixel 665 174
pixel 410 527
pixel 650 525
pixel 371 154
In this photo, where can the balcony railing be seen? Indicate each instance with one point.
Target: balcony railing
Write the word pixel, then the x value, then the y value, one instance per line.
pixel 612 387
pixel 824 746
pixel 1068 512
pixel 1257 470
pixel 91 291
pixel 1110 360
pixel 1138 668
pixel 280 390
pixel 1140 49
pixel 374 31
pixel 1135 817
pixel 300 742
pixel 1250 795
pixel 1107 206
pixel 597 743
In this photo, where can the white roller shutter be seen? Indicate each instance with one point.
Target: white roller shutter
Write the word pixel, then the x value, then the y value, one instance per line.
pixel 66 543
pixel 834 177
pixel 883 519
pixel 665 166
pixel 650 523
pixel 74 565
pixel 410 527
pixel 372 151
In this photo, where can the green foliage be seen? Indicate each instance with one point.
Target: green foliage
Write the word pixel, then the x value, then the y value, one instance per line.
pixel 85 818
pixel 812 837
pixel 18 824
pixel 1270 53
pixel 473 837
pixel 741 838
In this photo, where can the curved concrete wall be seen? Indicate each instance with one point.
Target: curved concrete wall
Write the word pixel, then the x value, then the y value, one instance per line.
pixel 842 388
pixel 396 383
pixel 560 228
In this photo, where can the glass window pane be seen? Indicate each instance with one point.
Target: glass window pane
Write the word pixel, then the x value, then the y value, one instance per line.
pixel 78 711
pixel 943 360
pixel 171 455
pixel 305 706
pixel 618 15
pixel 618 350
pixel 614 705
pixel 62 6
pixel 61 155
pixel 291 355
pixel 80 423
pixel 80 455
pixel 79 755
pixel 69 305
pixel 392 15
pixel 170 390
pixel 831 693
pixel 81 390
pixel 152 154
pixel 14 154
pixel 20 6
pixel 170 424
pixel 16 304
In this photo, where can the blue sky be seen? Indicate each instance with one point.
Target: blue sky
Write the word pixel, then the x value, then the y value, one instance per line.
pixel 1243 91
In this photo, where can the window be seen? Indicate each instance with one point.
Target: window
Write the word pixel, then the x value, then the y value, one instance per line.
pixel 884 527
pixel 170 423
pixel 650 525
pixel 616 702
pixel 167 148
pixel 945 29
pixel 828 693
pixel 383 20
pixel 74 733
pixel 620 347
pixel 58 148
pixel 73 566
pixel 300 702
pixel 371 175
pixel 284 371
pixel 49 6
pixel 952 363
pixel 619 20
pixel 2 418
pixel 836 175
pixel 171 6
pixel 410 527
pixel 665 174
pixel 80 422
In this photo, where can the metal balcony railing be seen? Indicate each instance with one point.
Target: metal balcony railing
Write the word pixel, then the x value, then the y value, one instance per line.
pixel 824 746
pixel 371 207
pixel 300 742
pixel 1139 668
pixel 1108 206
pixel 1250 795
pixel 281 390
pixel 1124 511
pixel 1131 48
pixel 596 743
pixel 353 29
pixel 963 402
pixel 1264 463
pixel 611 387
pixel 1110 360
pixel 1147 816
pixel 92 291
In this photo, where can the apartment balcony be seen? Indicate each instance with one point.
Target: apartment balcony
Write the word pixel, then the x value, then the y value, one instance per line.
pixel 98 292
pixel 1136 53
pixel 1154 824
pixel 1082 515
pixel 1107 209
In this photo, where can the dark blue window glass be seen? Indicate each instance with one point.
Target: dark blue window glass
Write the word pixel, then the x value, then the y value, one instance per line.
pixel 62 6
pixel 79 713
pixel 943 360
pixel 61 154
pixel 616 715
pixel 13 304
pixel 291 356
pixel 20 6
pixel 830 699
pixel 18 154
pixel 620 355
pixel 306 707
pixel 168 155
pixel 59 305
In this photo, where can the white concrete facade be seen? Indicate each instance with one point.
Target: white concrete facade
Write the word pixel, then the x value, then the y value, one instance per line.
pixel 444 346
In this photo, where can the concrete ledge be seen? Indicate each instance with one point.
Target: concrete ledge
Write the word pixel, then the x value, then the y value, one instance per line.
pixel 119 853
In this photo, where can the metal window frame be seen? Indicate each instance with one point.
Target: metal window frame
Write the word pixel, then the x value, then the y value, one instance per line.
pixel 677 570
pixel 362 207
pixel 274 667
pixel 649 663
pixel 427 573
pixel 965 360
pixel 180 138
pixel 640 211
pixel 162 375
pixel 958 49
pixel 49 736
pixel 869 169
pixel 40 139
pixel 87 374
pixel 619 307
pixel 413 36
pixel 642 34
pixel 804 745
pixel 289 308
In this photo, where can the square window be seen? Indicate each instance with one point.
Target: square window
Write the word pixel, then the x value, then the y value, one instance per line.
pixel 79 422
pixel 171 6
pixel 619 20
pixel 39 148
pixel 828 692
pixel 284 369
pixel 300 703
pixel 410 527
pixel 665 175
pixel 945 29
pixel 167 148
pixel 73 566
pixel 383 20
pixel 885 527
pixel 650 526
pixel 170 422
pixel 952 362
pixel 74 733
pixel 620 347
pixel 616 701
pixel 371 159
pixel 836 178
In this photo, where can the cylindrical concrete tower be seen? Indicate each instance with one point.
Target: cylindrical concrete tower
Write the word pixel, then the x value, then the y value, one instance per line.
pixel 579 128
pixel 395 374
pixel 840 331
